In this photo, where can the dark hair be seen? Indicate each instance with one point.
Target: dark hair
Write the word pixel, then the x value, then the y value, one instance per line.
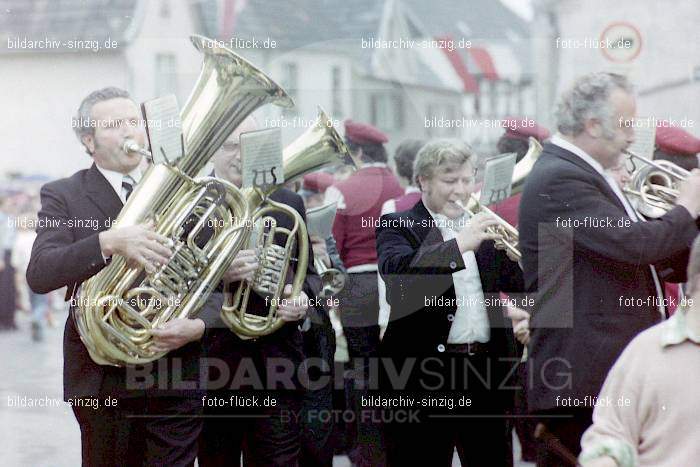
pixel 687 162
pixel 370 152
pixel 82 122
pixel 516 145
pixel 405 155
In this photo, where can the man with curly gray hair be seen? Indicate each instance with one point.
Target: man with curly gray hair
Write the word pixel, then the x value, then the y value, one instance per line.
pixel 594 268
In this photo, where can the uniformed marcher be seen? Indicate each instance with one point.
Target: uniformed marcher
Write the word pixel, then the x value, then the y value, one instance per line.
pixel 360 198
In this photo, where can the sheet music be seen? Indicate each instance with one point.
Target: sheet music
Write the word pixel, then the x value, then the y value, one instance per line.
pixel 261 157
pixel 497 178
pixel 164 128
pixel 319 221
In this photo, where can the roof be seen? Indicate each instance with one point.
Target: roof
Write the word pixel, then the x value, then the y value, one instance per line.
pixel 338 26
pixel 486 23
pixel 65 22
pixel 300 24
pixel 61 21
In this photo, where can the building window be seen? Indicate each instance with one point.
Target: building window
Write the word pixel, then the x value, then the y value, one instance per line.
pixel 386 111
pixel 336 86
pixel 166 74
pixel 290 82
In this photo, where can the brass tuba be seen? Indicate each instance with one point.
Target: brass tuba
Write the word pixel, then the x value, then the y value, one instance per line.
pixel 118 307
pixel 319 146
pixel 508 236
pixel 653 187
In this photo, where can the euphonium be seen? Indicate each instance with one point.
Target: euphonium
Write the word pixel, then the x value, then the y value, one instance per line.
pixel 654 186
pixel 319 146
pixel 118 307
pixel 507 234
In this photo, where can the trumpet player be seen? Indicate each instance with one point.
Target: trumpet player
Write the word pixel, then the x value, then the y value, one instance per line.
pixel 67 251
pixel 447 329
pixel 596 271
pixel 270 433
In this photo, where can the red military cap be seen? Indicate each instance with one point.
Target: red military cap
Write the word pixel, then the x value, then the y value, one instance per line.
pixel 674 140
pixel 523 128
pixel 364 133
pixel 317 182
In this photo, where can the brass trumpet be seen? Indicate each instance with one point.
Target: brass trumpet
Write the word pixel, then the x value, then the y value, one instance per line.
pixel 654 186
pixel 508 236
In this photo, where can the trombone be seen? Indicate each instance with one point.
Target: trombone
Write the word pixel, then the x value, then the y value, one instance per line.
pixel 654 186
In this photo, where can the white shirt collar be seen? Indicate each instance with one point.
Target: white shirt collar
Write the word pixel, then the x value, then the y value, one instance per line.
pixel 571 147
pixel 365 165
pixel 443 222
pixel 115 178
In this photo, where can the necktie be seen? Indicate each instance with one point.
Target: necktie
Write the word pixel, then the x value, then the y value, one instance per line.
pixel 128 186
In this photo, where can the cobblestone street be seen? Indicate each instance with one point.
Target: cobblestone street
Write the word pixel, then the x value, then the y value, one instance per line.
pixel 35 436
pixel 48 435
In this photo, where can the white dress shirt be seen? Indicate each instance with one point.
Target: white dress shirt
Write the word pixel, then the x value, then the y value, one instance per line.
pixel 115 180
pixel 631 213
pixel 471 322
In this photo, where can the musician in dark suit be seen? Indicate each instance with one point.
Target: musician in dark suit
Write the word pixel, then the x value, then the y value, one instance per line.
pixel 271 366
pixel 448 329
pixel 595 267
pixel 73 243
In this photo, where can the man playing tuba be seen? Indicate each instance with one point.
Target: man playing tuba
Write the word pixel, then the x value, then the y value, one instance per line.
pixel 258 369
pixel 67 253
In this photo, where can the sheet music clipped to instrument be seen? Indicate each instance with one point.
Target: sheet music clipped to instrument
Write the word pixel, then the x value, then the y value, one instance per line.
pixel 261 157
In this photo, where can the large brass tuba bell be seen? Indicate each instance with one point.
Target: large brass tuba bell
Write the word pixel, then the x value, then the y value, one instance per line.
pixel 319 146
pixel 118 307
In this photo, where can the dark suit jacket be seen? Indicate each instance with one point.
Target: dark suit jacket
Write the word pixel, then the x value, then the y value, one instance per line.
pixel 226 347
pixel 584 275
pixel 417 265
pixel 66 252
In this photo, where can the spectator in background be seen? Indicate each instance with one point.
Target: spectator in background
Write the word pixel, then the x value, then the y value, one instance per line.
pixel 360 198
pixel 8 291
pixel 21 252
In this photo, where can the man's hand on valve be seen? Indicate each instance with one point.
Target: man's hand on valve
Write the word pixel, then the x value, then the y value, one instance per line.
pixel 292 308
